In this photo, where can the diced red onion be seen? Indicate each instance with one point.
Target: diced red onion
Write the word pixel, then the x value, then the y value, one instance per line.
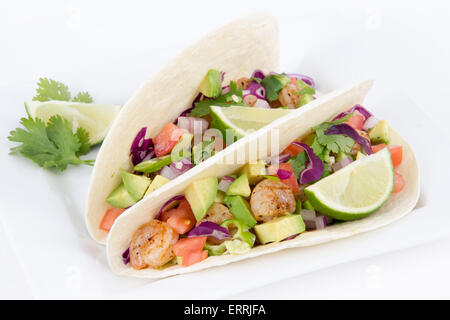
pixel 210 229
pixel 314 167
pixel 225 89
pixel 310 225
pixel 126 256
pixel 284 174
pixel 193 124
pixel 263 104
pixel 347 130
pixel 341 163
pixel 308 215
pixel 308 80
pixel 370 123
pixel 169 204
pixel 181 166
pixel 258 74
pixel 358 108
pixel 225 183
pixel 321 222
pixel 168 173
pixel 280 158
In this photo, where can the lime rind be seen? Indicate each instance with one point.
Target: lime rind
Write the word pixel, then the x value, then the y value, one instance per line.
pixel 325 205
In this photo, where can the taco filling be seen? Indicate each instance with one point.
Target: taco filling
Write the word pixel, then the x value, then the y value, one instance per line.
pixel 342 170
pixel 202 130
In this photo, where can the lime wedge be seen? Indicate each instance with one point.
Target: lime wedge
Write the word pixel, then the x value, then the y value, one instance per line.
pixel 356 190
pixel 243 120
pixel 95 118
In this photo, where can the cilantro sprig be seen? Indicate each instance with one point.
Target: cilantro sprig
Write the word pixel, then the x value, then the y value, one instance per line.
pixel 232 97
pixel 324 144
pixel 51 145
pixel 49 89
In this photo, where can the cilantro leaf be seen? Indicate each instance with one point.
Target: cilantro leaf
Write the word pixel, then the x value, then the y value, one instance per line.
pixel 83 97
pixel 323 144
pixel 83 138
pixel 51 90
pixel 233 97
pixel 51 146
pixel 298 163
pixel 273 83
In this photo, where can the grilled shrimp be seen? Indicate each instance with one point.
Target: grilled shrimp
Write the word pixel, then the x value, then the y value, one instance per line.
pixel 271 199
pixel 288 96
pixel 243 83
pixel 217 213
pixel 151 245
pixel 250 100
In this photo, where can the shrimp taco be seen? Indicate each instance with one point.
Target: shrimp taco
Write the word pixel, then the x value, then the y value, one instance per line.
pixel 177 120
pixel 336 171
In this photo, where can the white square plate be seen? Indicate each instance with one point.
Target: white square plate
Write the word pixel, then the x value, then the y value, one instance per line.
pixel 42 212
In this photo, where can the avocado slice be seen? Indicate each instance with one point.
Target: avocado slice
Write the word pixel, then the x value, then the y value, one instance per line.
pixel 239 208
pixel 157 182
pixel 211 85
pixel 220 197
pixel 239 187
pixel 201 194
pixel 380 133
pixel 360 155
pixel 120 198
pixel 255 171
pixel 280 228
pixel 135 185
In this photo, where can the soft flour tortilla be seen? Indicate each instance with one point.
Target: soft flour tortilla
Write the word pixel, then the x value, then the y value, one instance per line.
pixel 238 49
pixel 290 127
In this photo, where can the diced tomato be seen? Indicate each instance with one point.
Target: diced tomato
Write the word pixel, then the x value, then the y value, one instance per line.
pixel 396 153
pixel 193 257
pixel 167 139
pixel 293 81
pixel 399 182
pixel 378 147
pixel 356 120
pixel 293 150
pixel 186 245
pixel 109 218
pixel 291 182
pixel 181 219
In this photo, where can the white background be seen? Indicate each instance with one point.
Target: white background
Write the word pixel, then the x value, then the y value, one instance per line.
pixel 404 44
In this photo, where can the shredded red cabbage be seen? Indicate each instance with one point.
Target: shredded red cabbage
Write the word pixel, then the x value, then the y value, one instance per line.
pixel 210 229
pixel 291 237
pixel 358 108
pixel 141 148
pixel 283 174
pixel 169 205
pixel 308 80
pixel 278 158
pixel 314 167
pixel 256 89
pixel 258 74
pixel 347 130
pixel 126 256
